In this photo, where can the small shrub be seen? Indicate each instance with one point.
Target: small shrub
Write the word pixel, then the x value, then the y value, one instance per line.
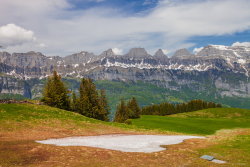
pixel 128 121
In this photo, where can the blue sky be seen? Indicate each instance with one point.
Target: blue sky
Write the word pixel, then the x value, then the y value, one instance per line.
pixel 64 27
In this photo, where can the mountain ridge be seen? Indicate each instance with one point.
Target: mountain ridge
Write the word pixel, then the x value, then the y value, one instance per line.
pixel 236 59
pixel 226 67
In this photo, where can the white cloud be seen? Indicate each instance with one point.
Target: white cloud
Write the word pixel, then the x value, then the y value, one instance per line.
pixel 165 51
pixel 196 50
pixel 147 2
pixel 11 35
pixel 169 25
pixel 247 44
pixel 117 51
pixel 42 45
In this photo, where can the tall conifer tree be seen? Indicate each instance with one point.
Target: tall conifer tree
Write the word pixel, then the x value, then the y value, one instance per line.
pixel 90 104
pixel 135 108
pixel 105 104
pixel 55 93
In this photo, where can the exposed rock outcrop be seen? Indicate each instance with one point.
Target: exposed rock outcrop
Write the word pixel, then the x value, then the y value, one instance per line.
pixel 137 64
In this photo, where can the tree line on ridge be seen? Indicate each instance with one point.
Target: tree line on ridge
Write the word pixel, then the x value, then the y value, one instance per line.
pixel 166 108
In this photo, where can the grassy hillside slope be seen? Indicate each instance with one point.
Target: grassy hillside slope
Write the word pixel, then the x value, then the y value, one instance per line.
pixel 203 122
pixel 227 131
pixel 15 117
pixel 22 124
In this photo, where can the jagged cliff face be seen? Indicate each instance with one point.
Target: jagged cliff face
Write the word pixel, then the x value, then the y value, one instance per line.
pixel 213 61
pixel 11 85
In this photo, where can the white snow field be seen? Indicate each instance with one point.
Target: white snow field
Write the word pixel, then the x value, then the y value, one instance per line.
pixel 125 143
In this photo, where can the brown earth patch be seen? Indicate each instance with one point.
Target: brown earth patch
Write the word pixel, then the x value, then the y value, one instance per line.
pixel 200 114
pixel 18 148
pixel 237 114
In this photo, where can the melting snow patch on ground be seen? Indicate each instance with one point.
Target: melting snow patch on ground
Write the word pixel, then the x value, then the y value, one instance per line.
pixel 125 143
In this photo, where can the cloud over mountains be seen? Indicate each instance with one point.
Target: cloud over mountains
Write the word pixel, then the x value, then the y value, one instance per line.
pixel 169 25
pixel 11 35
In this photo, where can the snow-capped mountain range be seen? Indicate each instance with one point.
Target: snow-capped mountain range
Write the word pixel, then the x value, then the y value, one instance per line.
pixel 32 64
pixel 216 68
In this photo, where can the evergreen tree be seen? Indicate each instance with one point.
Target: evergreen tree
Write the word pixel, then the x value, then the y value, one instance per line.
pixel 218 105
pixel 84 106
pixel 162 109
pixel 189 107
pixel 105 104
pixel 74 102
pixel 90 104
pixel 143 111
pixel 194 105
pixel 172 109
pixel 48 93
pixel 210 105
pixel 205 105
pixel 214 106
pixel 122 112
pixel 118 115
pixel 199 105
pixel 178 108
pixel 183 107
pixel 55 93
pixel 131 112
pixel 135 108
pixel 167 108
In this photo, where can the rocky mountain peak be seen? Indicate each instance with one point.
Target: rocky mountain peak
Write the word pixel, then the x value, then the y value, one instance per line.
pixel 107 53
pixel 32 52
pixel 182 52
pixel 159 54
pixel 215 50
pixel 137 53
pixel 83 52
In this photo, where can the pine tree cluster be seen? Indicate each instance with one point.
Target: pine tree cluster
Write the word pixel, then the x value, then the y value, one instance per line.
pixel 126 112
pixel 89 103
pixel 169 108
pixel 55 92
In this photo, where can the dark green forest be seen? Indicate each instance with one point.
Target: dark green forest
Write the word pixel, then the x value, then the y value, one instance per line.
pixel 166 108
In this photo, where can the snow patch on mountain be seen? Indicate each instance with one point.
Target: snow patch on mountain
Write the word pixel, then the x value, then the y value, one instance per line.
pixel 176 66
pixel 229 61
pixel 75 65
pixel 241 61
pixel 71 73
pixel 220 47
pixel 236 54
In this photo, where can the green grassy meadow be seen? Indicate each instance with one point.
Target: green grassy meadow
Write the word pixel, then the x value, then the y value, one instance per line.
pixel 227 132
pixel 203 122
pixel 33 115
pixel 224 127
